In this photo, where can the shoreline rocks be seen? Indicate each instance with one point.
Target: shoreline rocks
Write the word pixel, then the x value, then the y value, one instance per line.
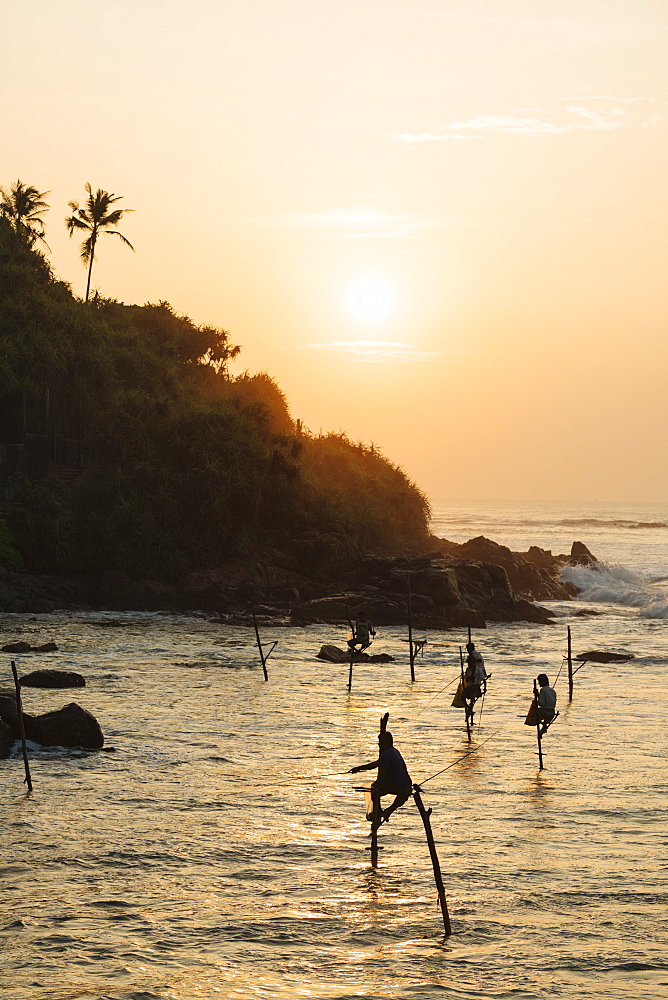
pixel 452 584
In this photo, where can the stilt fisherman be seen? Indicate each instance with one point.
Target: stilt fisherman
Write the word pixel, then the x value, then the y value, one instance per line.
pixel 393 779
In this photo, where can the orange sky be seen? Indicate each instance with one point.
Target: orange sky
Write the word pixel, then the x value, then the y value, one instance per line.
pixel 441 229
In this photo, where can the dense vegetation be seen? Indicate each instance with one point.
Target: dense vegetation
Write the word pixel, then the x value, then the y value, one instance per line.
pixel 182 465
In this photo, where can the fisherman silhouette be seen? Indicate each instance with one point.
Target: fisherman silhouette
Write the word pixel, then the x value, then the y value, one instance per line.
pixel 393 779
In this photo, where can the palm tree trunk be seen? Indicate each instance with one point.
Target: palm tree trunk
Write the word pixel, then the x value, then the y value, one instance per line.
pixel 90 269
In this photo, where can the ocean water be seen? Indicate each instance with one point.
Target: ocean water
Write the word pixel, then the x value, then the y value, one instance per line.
pixel 217 848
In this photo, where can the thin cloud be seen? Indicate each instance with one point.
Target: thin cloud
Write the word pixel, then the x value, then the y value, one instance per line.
pixel 363 222
pixel 570 117
pixel 376 351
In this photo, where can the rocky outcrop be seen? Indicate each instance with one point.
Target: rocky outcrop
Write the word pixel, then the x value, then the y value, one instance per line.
pixel 53 679
pixel 70 726
pixel 445 592
pixel 320 578
pixel 534 575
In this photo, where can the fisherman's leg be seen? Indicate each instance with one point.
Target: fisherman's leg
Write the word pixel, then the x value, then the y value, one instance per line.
pixel 401 797
pixel 376 814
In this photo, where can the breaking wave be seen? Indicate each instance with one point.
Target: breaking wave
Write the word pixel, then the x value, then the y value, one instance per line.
pixel 606 584
pixel 597 522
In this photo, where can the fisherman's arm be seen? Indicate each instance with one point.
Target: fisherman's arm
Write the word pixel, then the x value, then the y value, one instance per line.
pixel 364 767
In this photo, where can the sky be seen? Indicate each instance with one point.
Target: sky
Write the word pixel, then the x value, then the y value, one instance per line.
pixel 441 228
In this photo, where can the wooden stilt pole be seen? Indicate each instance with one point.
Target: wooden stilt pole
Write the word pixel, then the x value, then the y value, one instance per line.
pixel 425 814
pixel 24 748
pixel 411 649
pixel 466 707
pixel 263 658
pixel 350 671
pixel 538 728
pixel 570 667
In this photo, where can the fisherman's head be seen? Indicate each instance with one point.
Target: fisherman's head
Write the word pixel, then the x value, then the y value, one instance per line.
pixel 470 646
pixel 361 614
pixel 385 740
pixel 543 680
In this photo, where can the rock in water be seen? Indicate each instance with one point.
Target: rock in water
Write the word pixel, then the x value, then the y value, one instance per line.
pixel 70 726
pixel 16 647
pixel 6 739
pixel 600 656
pixel 53 679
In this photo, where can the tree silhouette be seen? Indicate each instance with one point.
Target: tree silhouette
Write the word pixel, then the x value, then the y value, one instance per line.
pixel 23 205
pixel 97 218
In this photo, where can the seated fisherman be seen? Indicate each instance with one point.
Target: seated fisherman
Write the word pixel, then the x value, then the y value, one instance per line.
pixel 363 633
pixel 475 678
pixel 546 703
pixel 393 779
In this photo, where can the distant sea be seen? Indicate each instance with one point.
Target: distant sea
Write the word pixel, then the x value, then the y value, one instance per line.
pixel 217 848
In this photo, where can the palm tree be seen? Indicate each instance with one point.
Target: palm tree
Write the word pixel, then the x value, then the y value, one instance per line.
pixel 98 219
pixel 23 205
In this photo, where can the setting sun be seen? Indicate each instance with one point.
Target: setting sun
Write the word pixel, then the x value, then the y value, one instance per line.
pixel 370 299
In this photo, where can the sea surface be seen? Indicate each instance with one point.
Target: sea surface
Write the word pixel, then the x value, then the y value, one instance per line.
pixel 218 848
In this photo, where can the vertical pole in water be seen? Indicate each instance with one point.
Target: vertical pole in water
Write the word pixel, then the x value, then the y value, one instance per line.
pixel 411 652
pixel 466 707
pixel 259 644
pixel 469 631
pixel 350 671
pixel 570 667
pixel 425 814
pixel 538 727
pixel 22 734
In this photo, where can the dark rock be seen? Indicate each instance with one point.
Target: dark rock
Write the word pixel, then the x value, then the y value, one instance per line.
pixel 48 647
pixel 8 710
pixel 53 679
pixel 581 556
pixel 17 647
pixel 6 739
pixel 600 656
pixel 586 613
pixel 70 726
pixel 333 654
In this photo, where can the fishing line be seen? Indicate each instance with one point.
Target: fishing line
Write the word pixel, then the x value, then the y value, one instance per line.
pixel 461 757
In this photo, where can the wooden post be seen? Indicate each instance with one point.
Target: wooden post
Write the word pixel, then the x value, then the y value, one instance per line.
pixel 263 658
pixel 466 708
pixel 410 631
pixel 24 748
pixel 425 814
pixel 570 667
pixel 538 727
pixel 350 671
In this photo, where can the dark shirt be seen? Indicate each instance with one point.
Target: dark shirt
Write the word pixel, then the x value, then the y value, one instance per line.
pixel 392 770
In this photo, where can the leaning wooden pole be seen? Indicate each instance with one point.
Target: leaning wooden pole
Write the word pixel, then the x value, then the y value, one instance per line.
pixel 263 658
pixel 538 728
pixel 570 667
pixel 22 734
pixel 425 814
pixel 410 632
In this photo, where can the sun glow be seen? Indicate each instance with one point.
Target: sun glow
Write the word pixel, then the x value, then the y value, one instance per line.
pixel 370 299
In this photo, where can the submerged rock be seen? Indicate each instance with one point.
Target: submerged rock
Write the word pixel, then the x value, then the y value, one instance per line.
pixel 16 647
pixel 25 647
pixel 69 726
pixel 601 656
pixel 53 679
pixel 333 654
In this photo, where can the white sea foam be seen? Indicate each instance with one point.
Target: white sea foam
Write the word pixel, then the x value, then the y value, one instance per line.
pixel 611 584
